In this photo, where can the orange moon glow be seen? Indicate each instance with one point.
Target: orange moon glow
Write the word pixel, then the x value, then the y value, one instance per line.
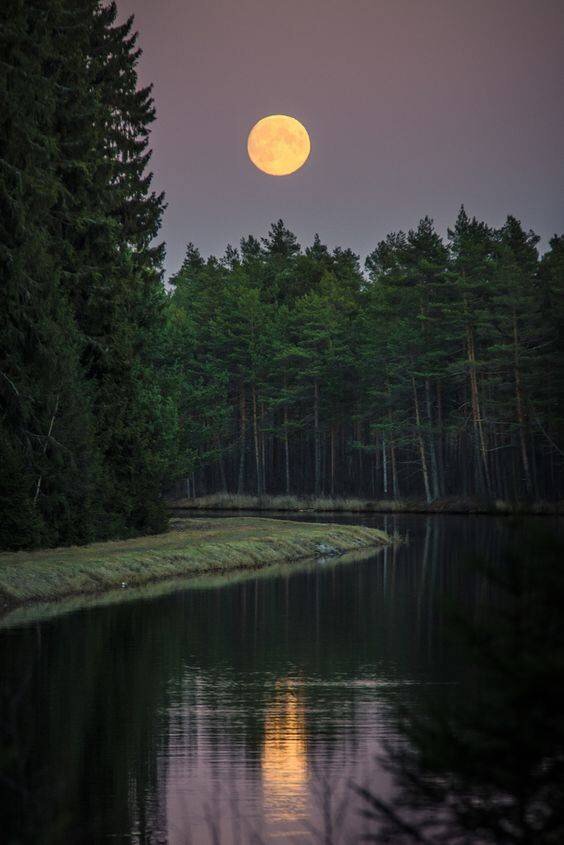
pixel 278 145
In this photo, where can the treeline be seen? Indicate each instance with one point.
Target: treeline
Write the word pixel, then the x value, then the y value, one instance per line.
pixel 87 428
pixel 437 371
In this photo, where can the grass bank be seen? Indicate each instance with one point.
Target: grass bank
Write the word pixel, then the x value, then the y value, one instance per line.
pixel 37 611
pixel 190 547
pixel 459 505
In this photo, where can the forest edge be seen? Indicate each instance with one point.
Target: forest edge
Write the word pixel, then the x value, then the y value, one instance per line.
pixel 323 504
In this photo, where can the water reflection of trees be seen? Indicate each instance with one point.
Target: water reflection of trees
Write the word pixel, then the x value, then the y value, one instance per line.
pixel 83 728
pixel 485 762
pixel 216 679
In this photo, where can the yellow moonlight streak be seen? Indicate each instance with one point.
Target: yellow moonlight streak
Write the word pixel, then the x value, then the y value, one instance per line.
pixel 278 145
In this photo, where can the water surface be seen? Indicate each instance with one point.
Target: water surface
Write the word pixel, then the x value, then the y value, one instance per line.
pixel 238 713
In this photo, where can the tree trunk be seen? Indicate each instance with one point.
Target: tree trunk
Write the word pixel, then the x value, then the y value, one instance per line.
pixel 316 439
pixel 221 465
pixel 45 444
pixel 256 442
pixel 440 440
pixel 519 402
pixel 286 451
pixel 332 447
pixel 476 412
pixel 263 443
pixel 395 480
pixel 432 442
pixel 360 452
pixel 421 444
pixel 242 437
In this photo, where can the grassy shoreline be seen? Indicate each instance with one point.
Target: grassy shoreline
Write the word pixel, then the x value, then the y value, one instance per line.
pixel 295 504
pixel 190 547
pixel 30 612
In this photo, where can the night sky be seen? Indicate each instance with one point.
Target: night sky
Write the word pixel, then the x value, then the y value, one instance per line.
pixel 412 106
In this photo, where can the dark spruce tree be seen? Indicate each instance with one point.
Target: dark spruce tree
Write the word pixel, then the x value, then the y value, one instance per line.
pixel 86 432
pixel 47 454
pixel 124 317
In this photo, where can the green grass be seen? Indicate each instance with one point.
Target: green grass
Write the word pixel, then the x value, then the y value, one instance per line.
pixel 28 613
pixel 232 501
pixel 190 547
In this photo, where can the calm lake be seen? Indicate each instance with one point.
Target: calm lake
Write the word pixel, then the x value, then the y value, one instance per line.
pixel 238 713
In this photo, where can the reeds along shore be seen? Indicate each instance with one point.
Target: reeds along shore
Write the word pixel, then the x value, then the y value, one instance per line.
pixel 231 501
pixel 189 547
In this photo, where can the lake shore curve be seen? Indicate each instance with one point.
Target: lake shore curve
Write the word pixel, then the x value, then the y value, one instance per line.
pixel 190 547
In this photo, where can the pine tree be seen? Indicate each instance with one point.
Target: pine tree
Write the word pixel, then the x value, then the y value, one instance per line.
pixel 471 249
pixel 548 408
pixel 306 376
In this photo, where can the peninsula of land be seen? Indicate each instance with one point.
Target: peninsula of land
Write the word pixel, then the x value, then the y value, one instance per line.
pixel 189 547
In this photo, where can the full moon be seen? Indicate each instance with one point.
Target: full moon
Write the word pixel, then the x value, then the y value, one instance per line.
pixel 278 145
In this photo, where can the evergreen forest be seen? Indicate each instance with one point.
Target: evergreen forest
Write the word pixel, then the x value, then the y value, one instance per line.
pixel 434 369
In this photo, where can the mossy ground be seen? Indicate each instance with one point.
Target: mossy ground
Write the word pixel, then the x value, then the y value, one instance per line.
pixel 190 547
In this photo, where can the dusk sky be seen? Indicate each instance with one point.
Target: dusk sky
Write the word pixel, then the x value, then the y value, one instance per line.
pixel 412 108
